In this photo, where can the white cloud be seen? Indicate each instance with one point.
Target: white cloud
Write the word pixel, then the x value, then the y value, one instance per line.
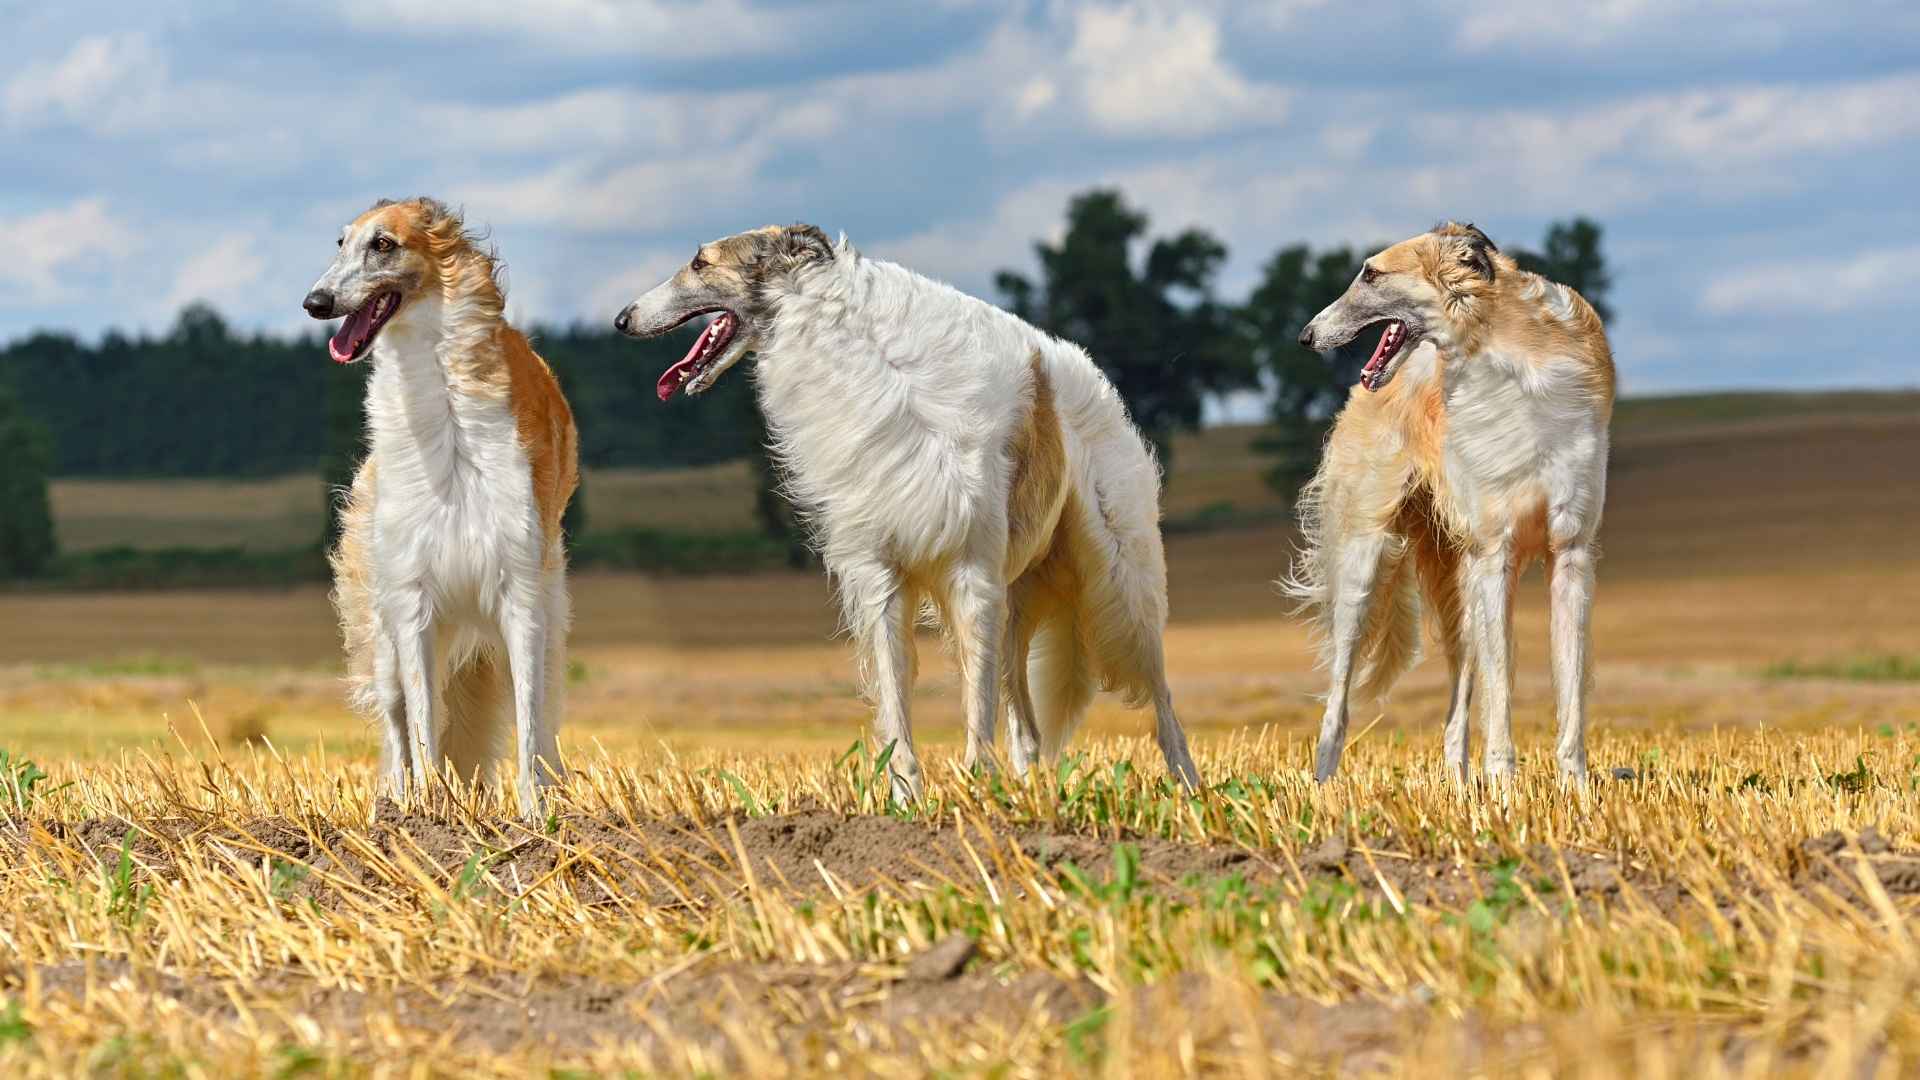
pixel 1606 24
pixel 644 27
pixel 1879 279
pixel 103 82
pixel 1733 140
pixel 1508 22
pixel 649 194
pixel 1148 68
pixel 218 273
pixel 41 248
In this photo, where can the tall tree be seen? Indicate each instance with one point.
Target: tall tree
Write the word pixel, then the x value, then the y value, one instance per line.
pixel 26 456
pixel 345 438
pixel 1308 388
pixel 1157 331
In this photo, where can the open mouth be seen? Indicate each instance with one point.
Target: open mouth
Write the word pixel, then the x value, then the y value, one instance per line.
pixel 1380 368
pixel 355 336
pixel 692 370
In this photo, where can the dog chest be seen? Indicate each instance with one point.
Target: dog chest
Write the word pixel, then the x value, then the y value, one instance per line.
pixel 455 512
pixel 1522 434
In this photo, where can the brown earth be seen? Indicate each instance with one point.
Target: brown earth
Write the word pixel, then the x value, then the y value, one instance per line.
pixel 609 862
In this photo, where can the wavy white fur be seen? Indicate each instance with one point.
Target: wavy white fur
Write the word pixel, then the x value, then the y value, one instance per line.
pixel 945 451
pixel 450 574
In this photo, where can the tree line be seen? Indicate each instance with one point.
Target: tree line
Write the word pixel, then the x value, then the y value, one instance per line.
pixel 203 400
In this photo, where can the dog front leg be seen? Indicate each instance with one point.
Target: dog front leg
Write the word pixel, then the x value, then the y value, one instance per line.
pixel 1457 735
pixel 415 659
pixel 1350 595
pixel 880 610
pixel 1570 585
pixel 391 702
pixel 526 632
pixel 1489 579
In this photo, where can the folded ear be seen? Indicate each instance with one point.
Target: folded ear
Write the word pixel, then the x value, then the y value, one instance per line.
pixel 1472 248
pixel 798 243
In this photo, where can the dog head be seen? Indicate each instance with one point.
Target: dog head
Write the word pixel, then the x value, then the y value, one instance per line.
pixel 1411 290
pixel 739 281
pixel 387 256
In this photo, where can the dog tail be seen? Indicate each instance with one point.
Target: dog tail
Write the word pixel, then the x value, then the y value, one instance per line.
pixel 1389 644
pixel 479 714
pixel 1306 582
pixel 1060 681
pixel 352 592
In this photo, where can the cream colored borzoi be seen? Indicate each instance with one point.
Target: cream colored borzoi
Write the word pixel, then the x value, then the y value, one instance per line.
pixel 949 453
pixel 1475 443
pixel 450 573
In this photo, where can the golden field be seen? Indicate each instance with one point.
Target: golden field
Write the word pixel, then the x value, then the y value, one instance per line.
pixel 203 882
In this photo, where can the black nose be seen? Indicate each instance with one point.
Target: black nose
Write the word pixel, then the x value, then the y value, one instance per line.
pixel 623 320
pixel 1306 335
pixel 319 304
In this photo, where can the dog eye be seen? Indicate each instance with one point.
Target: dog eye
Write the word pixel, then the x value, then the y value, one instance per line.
pixel 698 263
pixel 383 244
pixel 340 241
pixel 1369 275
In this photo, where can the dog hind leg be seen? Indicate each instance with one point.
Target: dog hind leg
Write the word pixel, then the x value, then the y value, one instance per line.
pixel 1439 568
pixel 1025 611
pixel 1489 586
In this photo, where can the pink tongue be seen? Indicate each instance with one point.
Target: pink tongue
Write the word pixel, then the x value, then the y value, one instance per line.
pixel 1379 351
pixel 350 335
pixel 669 383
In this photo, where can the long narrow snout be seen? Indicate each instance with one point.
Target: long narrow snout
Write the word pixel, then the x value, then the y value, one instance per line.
pixel 1334 326
pixel 659 310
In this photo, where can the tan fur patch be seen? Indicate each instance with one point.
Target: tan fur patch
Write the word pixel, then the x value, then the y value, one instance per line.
pixel 351 561
pixel 546 431
pixel 1039 480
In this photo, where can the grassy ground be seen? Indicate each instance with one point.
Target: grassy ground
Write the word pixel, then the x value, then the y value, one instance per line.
pixel 203 881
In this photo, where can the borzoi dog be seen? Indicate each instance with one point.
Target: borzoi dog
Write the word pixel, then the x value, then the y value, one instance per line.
pixel 949 453
pixel 450 573
pixel 1475 442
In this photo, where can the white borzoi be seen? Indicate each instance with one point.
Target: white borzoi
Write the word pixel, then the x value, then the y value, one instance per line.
pixel 1475 443
pixel 945 452
pixel 450 573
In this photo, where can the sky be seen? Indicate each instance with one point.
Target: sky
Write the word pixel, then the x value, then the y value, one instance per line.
pixel 1753 163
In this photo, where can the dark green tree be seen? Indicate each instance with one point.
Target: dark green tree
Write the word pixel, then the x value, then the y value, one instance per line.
pixel 1157 330
pixel 26 456
pixel 346 442
pixel 1307 387
pixel 573 520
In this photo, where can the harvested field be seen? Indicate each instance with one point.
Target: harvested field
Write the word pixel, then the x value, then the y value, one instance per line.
pixel 1739 904
pixel 197 878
